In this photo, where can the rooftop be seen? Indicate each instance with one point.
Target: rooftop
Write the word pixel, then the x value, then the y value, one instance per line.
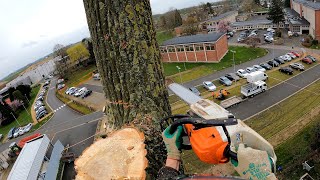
pixel 251 23
pixel 221 16
pixel 212 37
pixel 29 161
pixel 311 4
pixel 294 18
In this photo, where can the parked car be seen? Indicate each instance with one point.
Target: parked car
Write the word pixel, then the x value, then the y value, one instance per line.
pixel 11 132
pixel 60 86
pixel 259 68
pixel 209 86
pixel 291 55
pixel 1 136
pixel 80 92
pixel 307 60
pixel 232 77
pixel 225 81
pixel 16 132
pixel 60 81
pixel 71 90
pixel 287 57
pixel 242 73
pixel 286 70
pixel 40 109
pixel 46 83
pixel 41 114
pixel 273 63
pixel 96 76
pixel 21 131
pixel 86 94
pixel 280 61
pixel 39 103
pixel 266 66
pixel 295 53
pixel 27 128
pixel 250 69
pixel 195 90
pixel 297 66
pixel 40 98
pixel 268 39
pixel 313 59
pixel 271 30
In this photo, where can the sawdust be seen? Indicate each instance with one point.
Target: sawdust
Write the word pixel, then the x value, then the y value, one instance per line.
pixel 119 156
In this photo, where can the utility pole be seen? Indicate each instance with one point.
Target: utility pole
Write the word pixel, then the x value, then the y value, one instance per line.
pixel 15 119
pixel 234 64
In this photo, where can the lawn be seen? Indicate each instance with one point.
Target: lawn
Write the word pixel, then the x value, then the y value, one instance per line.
pixel 198 70
pixel 24 118
pixel 75 78
pixel 163 36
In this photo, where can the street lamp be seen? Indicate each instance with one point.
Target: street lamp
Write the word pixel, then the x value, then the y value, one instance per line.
pixel 234 64
pixel 179 73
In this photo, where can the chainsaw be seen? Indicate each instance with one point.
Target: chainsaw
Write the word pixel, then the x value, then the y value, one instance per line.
pixel 211 131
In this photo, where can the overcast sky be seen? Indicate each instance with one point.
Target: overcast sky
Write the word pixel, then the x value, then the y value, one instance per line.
pixel 30 28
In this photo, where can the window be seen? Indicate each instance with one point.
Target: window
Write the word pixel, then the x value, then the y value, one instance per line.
pixel 210 47
pixel 199 47
pixel 163 50
pixel 189 48
pixel 180 48
pixel 171 49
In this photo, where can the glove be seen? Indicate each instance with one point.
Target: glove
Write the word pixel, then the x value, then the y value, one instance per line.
pixel 253 164
pixel 173 142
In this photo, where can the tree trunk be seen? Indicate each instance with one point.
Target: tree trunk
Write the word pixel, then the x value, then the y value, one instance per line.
pixel 128 60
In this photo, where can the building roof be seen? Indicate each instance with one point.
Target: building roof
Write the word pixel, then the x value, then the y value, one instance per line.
pixel 212 37
pixel 53 166
pixel 294 18
pixel 29 161
pixel 311 4
pixel 221 16
pixel 251 23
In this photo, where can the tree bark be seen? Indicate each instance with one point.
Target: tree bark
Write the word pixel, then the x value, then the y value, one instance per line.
pixel 128 60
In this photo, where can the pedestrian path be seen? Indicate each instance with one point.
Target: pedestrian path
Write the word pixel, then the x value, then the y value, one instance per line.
pixel 59 108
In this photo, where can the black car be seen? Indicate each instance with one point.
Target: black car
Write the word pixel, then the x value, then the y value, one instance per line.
pixel 86 94
pixel 280 61
pixel 286 70
pixel 273 63
pixel 11 132
pixel 195 90
pixel 313 59
pixel 232 77
pixel 266 66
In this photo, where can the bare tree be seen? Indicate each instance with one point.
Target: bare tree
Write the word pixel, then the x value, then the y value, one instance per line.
pixel 129 62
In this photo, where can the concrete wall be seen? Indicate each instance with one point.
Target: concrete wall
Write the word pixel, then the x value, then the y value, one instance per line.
pixel 310 15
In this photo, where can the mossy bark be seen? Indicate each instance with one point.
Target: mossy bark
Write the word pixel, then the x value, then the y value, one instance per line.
pixel 128 60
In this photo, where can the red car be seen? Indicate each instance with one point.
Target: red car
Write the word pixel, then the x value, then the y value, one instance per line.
pixel 307 60
pixel 295 53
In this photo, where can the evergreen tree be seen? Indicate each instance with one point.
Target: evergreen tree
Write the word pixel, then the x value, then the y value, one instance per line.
pixel 18 96
pixel 163 22
pixel 177 18
pixel 6 111
pixel 276 14
pixel 287 3
pixel 10 91
pixel 25 90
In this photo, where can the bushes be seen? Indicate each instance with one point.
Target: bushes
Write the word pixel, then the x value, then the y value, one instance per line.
pixel 307 42
pixel 315 42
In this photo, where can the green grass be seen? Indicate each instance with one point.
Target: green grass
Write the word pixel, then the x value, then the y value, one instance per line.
pixel 315 46
pixel 243 54
pixel 171 68
pixel 38 125
pixel 79 76
pixel 163 36
pixel 23 117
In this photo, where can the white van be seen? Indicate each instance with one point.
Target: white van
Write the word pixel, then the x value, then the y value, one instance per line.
pixel 257 76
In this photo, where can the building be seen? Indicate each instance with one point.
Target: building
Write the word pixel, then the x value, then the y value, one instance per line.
pixel 296 23
pixel 310 11
pixel 33 163
pixel 211 25
pixel 254 24
pixel 197 48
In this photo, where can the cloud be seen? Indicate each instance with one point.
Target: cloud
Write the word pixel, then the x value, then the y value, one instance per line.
pixel 29 44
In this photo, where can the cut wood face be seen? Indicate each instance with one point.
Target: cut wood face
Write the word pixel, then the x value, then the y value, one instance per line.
pixel 119 156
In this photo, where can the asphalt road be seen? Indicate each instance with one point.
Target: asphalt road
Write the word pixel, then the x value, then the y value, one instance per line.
pixel 264 100
pixel 94 88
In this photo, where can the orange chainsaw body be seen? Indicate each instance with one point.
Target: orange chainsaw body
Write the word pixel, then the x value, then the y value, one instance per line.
pixel 207 144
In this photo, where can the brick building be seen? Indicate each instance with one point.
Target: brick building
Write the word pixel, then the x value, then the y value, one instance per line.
pixel 211 25
pixel 310 11
pixel 197 48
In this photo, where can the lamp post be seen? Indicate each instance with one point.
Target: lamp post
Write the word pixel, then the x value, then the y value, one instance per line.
pixel 15 118
pixel 179 73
